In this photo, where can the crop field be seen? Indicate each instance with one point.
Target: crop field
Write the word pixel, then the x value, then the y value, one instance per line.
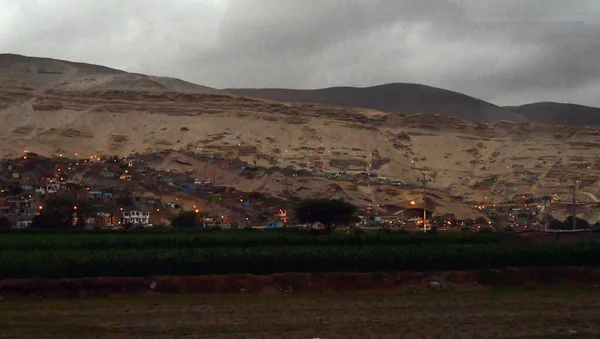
pixel 152 254
pixel 233 238
pixel 242 285
pixel 510 313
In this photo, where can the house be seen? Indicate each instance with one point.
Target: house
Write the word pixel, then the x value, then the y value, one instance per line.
pixel 48 189
pixel 187 189
pixel 101 219
pixel 99 195
pixel 16 207
pixel 21 222
pixel 280 215
pixel 136 217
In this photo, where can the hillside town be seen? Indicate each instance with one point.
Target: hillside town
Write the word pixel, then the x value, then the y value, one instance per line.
pixel 113 192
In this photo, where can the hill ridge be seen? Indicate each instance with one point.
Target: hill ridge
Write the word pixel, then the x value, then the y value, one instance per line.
pixel 434 101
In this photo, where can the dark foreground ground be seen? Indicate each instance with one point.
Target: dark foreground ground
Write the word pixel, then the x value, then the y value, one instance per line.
pixel 566 312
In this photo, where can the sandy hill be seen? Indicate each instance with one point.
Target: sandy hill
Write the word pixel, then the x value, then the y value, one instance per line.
pixel 51 107
pixel 40 74
pixel 559 113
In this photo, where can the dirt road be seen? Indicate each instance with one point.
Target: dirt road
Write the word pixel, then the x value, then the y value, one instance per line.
pixel 490 314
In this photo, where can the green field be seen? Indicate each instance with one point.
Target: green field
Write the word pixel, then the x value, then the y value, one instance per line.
pixel 233 238
pixel 198 253
pixel 513 313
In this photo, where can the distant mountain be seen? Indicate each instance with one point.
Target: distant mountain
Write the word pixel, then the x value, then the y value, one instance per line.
pixel 415 98
pixel 554 113
pixel 397 98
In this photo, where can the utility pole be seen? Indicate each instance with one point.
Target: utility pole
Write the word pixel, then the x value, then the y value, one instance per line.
pixel 424 182
pixel 546 199
pixel 574 204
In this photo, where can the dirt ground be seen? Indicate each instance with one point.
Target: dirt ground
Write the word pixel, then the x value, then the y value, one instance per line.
pixel 516 312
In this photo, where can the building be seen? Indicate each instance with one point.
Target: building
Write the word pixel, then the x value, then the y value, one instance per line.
pixel 136 217
pixel 48 189
pixel 99 195
pixel 19 207
pixel 100 219
pixel 280 215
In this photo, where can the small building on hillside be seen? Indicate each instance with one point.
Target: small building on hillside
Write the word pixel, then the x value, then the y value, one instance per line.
pixel 136 217
pixel 48 189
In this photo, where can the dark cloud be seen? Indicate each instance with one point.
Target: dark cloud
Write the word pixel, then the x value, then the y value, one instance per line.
pixel 508 52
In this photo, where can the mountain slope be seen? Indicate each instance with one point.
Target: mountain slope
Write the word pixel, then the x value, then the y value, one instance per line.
pixel 53 107
pixel 397 98
pixel 559 113
pixel 40 74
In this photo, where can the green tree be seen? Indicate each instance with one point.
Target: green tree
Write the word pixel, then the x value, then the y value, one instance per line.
pixel 555 224
pixel 580 224
pixel 329 212
pixel 187 219
pixel 59 211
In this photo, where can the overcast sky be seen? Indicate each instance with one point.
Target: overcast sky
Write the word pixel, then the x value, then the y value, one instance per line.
pixel 503 51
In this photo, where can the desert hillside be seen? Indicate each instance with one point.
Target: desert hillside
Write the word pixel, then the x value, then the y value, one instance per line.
pixel 41 74
pixel 414 98
pixel 72 108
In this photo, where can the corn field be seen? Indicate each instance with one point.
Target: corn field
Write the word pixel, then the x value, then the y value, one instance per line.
pixel 78 261
pixel 176 240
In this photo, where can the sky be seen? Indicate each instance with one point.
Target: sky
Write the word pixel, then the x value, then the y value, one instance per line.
pixel 508 52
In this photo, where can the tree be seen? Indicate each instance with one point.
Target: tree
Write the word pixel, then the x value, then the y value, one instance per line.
pixel 580 224
pixel 329 212
pixel 481 221
pixel 187 219
pixel 58 212
pixel 555 224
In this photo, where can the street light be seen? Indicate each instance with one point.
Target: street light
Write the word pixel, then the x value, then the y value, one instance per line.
pixel 412 202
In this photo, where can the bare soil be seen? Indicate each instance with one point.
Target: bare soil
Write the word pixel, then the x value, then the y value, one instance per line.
pixel 286 283
pixel 504 313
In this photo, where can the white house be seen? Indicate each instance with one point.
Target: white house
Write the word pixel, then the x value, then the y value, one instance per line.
pixel 141 218
pixel 49 189
pixel 23 224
